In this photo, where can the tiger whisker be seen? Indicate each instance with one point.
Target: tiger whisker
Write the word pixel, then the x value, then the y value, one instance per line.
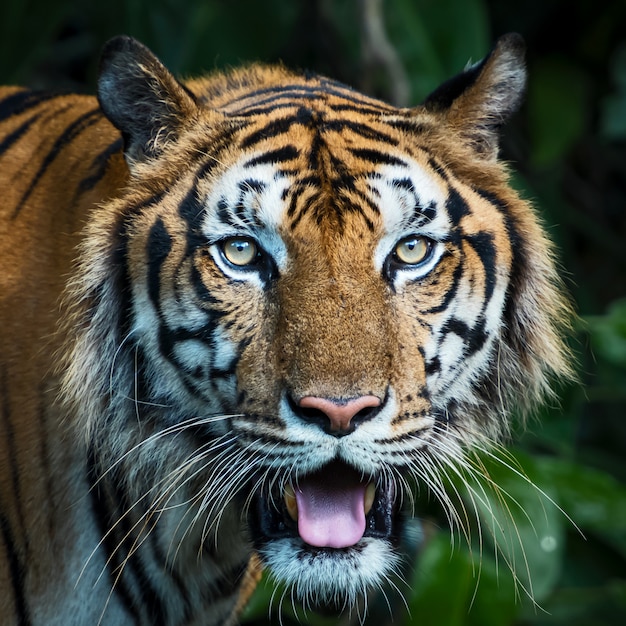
pixel 114 526
pixel 173 429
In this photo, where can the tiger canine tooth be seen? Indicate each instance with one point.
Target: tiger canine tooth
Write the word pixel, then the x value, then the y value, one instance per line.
pixel 368 501
pixel 290 502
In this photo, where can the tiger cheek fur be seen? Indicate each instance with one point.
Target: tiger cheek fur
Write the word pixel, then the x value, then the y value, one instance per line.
pixel 288 301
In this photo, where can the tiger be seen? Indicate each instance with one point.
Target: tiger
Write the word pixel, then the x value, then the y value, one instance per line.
pixel 242 315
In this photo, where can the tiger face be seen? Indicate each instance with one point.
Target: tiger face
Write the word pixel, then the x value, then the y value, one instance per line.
pixel 317 298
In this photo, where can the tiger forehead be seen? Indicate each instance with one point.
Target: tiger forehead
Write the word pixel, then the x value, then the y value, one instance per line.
pixel 284 191
pixel 262 90
pixel 308 159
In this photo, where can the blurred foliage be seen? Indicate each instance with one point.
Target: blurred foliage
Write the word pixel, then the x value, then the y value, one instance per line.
pixel 568 149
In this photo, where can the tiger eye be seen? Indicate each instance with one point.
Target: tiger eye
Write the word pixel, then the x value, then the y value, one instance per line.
pixel 240 251
pixel 412 250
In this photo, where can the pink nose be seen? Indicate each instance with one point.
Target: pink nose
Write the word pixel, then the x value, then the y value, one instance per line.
pixel 341 416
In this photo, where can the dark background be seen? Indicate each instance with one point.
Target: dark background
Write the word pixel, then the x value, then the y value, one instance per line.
pixel 567 147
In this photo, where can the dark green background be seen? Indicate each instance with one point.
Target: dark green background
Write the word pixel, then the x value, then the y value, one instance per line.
pixel 568 148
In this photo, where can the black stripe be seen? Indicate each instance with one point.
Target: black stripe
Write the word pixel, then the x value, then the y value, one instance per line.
pixel 363 130
pixel 477 338
pixel 514 333
pixel 45 456
pixel 409 126
pixel 193 211
pixel 363 197
pixel 22 614
pixel 290 90
pixel 484 246
pixel 345 92
pixel 228 582
pixel 98 167
pixel 122 546
pixel 456 326
pixel 438 168
pixel 474 338
pixel 151 601
pixel 284 100
pixel 451 291
pixel 286 153
pixel 13 464
pixel 158 249
pixel 433 366
pixel 456 206
pixel 272 129
pixel 270 108
pixel 19 102
pixel 377 157
pixel 250 184
pixel 261 110
pixel 221 139
pixel 68 135
pixel 296 192
pixel 360 108
pixel 119 274
pixel 517 241
pixel 109 538
pixel 299 92
pixel 10 139
pixel 199 286
pixel 419 212
pixel 166 568
pixel 407 185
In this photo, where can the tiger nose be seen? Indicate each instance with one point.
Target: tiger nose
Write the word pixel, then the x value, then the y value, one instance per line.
pixel 338 417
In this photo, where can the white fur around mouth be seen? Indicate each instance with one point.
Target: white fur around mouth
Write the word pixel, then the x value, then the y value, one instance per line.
pixel 331 576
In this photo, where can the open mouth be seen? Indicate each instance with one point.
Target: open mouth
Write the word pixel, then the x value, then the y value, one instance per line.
pixel 333 508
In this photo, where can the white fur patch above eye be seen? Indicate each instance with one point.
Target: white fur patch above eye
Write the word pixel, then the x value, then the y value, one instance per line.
pixel 412 202
pixel 248 201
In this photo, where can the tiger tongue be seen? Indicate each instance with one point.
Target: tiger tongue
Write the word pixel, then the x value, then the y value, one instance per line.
pixel 331 507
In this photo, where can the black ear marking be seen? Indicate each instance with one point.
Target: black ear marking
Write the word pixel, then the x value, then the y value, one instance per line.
pixel 480 100
pixel 141 98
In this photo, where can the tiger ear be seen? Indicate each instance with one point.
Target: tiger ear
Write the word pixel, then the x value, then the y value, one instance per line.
pixel 141 98
pixel 477 102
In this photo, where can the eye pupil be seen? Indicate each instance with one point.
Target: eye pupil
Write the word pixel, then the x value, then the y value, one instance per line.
pixel 240 251
pixel 412 250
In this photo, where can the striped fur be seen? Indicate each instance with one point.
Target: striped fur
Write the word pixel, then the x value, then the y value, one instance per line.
pixel 150 387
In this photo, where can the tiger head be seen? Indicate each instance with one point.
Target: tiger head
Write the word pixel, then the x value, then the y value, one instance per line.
pixel 304 299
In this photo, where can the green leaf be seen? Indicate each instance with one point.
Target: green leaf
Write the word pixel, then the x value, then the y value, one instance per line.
pixel 437 38
pixel 593 499
pixel 522 525
pixel 443 583
pixel 557 108
pixel 608 333
pixel 456 587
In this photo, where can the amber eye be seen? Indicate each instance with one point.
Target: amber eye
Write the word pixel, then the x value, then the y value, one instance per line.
pixel 240 251
pixel 412 250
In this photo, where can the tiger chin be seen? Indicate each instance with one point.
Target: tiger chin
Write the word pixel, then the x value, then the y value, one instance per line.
pixel 240 315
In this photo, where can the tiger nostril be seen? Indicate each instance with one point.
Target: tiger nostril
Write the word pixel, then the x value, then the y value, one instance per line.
pixel 365 414
pixel 337 416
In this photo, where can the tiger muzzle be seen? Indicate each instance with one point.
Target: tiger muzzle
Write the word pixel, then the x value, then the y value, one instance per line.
pixel 332 508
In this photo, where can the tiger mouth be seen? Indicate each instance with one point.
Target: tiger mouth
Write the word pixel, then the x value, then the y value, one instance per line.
pixel 332 508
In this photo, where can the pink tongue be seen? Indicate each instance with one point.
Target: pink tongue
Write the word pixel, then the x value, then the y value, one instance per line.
pixel 331 507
